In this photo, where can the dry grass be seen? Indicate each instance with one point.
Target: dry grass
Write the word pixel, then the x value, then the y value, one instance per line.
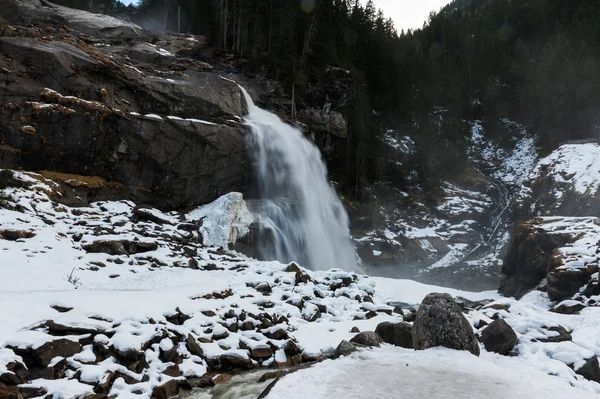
pixel 75 180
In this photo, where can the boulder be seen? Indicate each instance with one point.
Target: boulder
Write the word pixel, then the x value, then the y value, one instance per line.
pixel 398 334
pixel 166 390
pixel 193 346
pixel 229 362
pixel 439 322
pixel 345 348
pixel 261 352
pixel 367 338
pixel 499 337
pixel 41 356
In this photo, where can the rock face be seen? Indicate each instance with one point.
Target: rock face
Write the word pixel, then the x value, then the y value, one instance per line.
pixel 499 337
pixel 527 259
pixel 398 334
pixel 553 248
pixel 23 12
pixel 439 322
pixel 77 105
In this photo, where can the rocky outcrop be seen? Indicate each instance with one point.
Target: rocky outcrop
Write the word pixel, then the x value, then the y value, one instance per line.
pixel 440 322
pixel 164 127
pixel 561 250
pixel 527 259
pixel 43 13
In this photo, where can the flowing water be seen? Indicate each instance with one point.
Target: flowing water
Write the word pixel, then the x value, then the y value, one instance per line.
pixel 300 215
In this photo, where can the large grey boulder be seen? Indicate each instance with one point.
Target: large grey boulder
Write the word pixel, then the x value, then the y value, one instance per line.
pixel 440 322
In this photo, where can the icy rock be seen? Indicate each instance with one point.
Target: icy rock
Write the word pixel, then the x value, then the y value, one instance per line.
pixel 499 337
pixel 224 221
pixel 439 322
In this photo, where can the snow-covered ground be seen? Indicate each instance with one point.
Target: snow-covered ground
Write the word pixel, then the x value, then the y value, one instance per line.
pixel 437 373
pixel 139 281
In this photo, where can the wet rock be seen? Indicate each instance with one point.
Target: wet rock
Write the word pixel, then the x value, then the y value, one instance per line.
pixel 229 362
pixel 499 337
pixel 367 338
pixel 398 334
pixel 261 352
pixel 119 247
pixel 440 322
pixel 270 375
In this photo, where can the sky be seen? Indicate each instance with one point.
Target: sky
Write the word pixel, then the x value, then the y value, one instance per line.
pixel 409 14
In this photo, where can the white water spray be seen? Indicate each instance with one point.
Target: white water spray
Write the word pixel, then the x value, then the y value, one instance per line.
pixel 299 212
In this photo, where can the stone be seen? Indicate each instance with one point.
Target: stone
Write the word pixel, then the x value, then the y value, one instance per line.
pixel 590 370
pixel 229 362
pixel 166 390
pixel 261 352
pixel 193 346
pixel 270 375
pixel 367 338
pixel 499 337
pixel 440 322
pixel 42 356
pixel 398 334
pixel 291 349
pixel 172 371
pixel 563 335
pixel 119 247
pixel 568 307
pixel 345 348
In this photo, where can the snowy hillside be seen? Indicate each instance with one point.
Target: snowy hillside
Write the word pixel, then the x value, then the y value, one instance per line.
pixel 566 182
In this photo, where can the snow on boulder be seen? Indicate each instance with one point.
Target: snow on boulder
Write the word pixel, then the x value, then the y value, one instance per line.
pixel 223 221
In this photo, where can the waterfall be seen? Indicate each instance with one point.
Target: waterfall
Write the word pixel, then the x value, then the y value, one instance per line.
pixel 301 218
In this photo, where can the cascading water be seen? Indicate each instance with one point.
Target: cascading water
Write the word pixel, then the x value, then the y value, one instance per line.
pixel 301 217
